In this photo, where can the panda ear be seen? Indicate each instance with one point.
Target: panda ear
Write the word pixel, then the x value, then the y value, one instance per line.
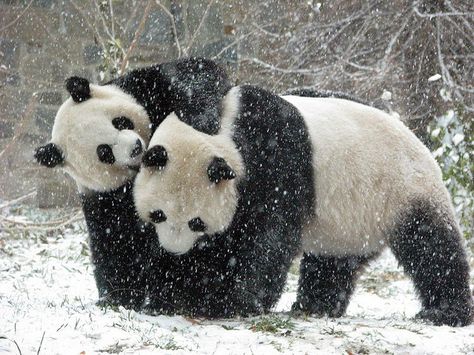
pixel 49 155
pixel 156 156
pixel 219 170
pixel 78 88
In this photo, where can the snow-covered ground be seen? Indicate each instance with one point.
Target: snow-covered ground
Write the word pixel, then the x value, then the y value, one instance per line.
pixel 47 305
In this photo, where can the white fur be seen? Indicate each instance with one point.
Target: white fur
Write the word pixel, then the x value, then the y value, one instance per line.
pixel 80 127
pixel 182 189
pixel 230 110
pixel 368 167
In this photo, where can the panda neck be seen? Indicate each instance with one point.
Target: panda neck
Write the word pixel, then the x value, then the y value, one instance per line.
pixel 107 213
pixel 120 193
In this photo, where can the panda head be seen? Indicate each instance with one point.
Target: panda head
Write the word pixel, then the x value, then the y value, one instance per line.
pixel 99 135
pixel 187 184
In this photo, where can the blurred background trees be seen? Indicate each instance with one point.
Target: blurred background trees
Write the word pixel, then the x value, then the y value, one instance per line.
pixel 413 57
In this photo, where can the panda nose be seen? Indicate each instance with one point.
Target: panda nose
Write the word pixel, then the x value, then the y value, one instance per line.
pixel 137 150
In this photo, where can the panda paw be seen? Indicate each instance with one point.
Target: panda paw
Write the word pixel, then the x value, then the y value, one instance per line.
pixel 108 302
pixel 316 309
pixel 154 310
pixel 453 317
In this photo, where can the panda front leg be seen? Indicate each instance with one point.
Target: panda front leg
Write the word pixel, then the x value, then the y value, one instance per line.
pixel 119 246
pixel 326 283
pixel 428 245
pixel 260 263
pixel 120 271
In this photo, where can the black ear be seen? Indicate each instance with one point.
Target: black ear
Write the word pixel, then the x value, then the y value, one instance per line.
pixel 156 156
pixel 78 88
pixel 219 170
pixel 49 155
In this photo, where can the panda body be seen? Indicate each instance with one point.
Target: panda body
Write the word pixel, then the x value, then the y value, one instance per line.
pixel 98 137
pixel 368 168
pixel 332 179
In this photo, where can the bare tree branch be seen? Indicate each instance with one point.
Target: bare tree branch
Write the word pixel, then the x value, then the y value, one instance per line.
pixel 198 29
pixel 281 70
pixel 17 18
pixel 13 224
pixel 137 35
pixel 18 200
pixel 86 17
pixel 20 126
pixel 439 14
pixel 112 25
pixel 173 26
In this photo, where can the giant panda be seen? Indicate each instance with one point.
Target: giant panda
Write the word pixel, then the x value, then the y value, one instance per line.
pixel 333 179
pixel 98 137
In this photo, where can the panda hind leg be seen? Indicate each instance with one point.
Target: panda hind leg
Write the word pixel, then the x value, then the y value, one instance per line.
pixel 428 245
pixel 326 283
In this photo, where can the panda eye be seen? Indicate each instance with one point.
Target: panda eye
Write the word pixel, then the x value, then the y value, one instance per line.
pixel 157 216
pixel 197 225
pixel 122 123
pixel 105 154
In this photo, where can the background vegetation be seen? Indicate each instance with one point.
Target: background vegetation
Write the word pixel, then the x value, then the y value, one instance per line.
pixel 412 57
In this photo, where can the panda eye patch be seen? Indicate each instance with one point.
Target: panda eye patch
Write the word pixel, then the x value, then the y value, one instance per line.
pixel 105 154
pixel 157 216
pixel 122 123
pixel 197 225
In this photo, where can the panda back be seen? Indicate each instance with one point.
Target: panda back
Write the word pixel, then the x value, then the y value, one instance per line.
pixel 275 145
pixel 368 168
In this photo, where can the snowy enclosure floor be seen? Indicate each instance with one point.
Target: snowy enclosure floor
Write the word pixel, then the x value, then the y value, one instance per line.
pixel 47 303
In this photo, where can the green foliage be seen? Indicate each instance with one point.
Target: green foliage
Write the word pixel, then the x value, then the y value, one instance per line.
pixel 453 141
pixel 112 56
pixel 271 324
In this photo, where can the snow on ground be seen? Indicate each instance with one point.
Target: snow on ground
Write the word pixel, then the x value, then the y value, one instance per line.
pixel 47 305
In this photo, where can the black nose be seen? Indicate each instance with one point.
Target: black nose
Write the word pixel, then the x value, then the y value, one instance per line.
pixel 137 150
pixel 197 225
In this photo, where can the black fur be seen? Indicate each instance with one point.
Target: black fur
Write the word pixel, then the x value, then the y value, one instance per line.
pixel 157 156
pixel 78 88
pixel 219 170
pixel 120 245
pixel 122 123
pixel 428 246
pixel 326 284
pixel 192 87
pixel 243 270
pixel 49 155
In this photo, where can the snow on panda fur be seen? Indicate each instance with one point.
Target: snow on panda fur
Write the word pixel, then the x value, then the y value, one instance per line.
pixel 98 137
pixel 331 178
